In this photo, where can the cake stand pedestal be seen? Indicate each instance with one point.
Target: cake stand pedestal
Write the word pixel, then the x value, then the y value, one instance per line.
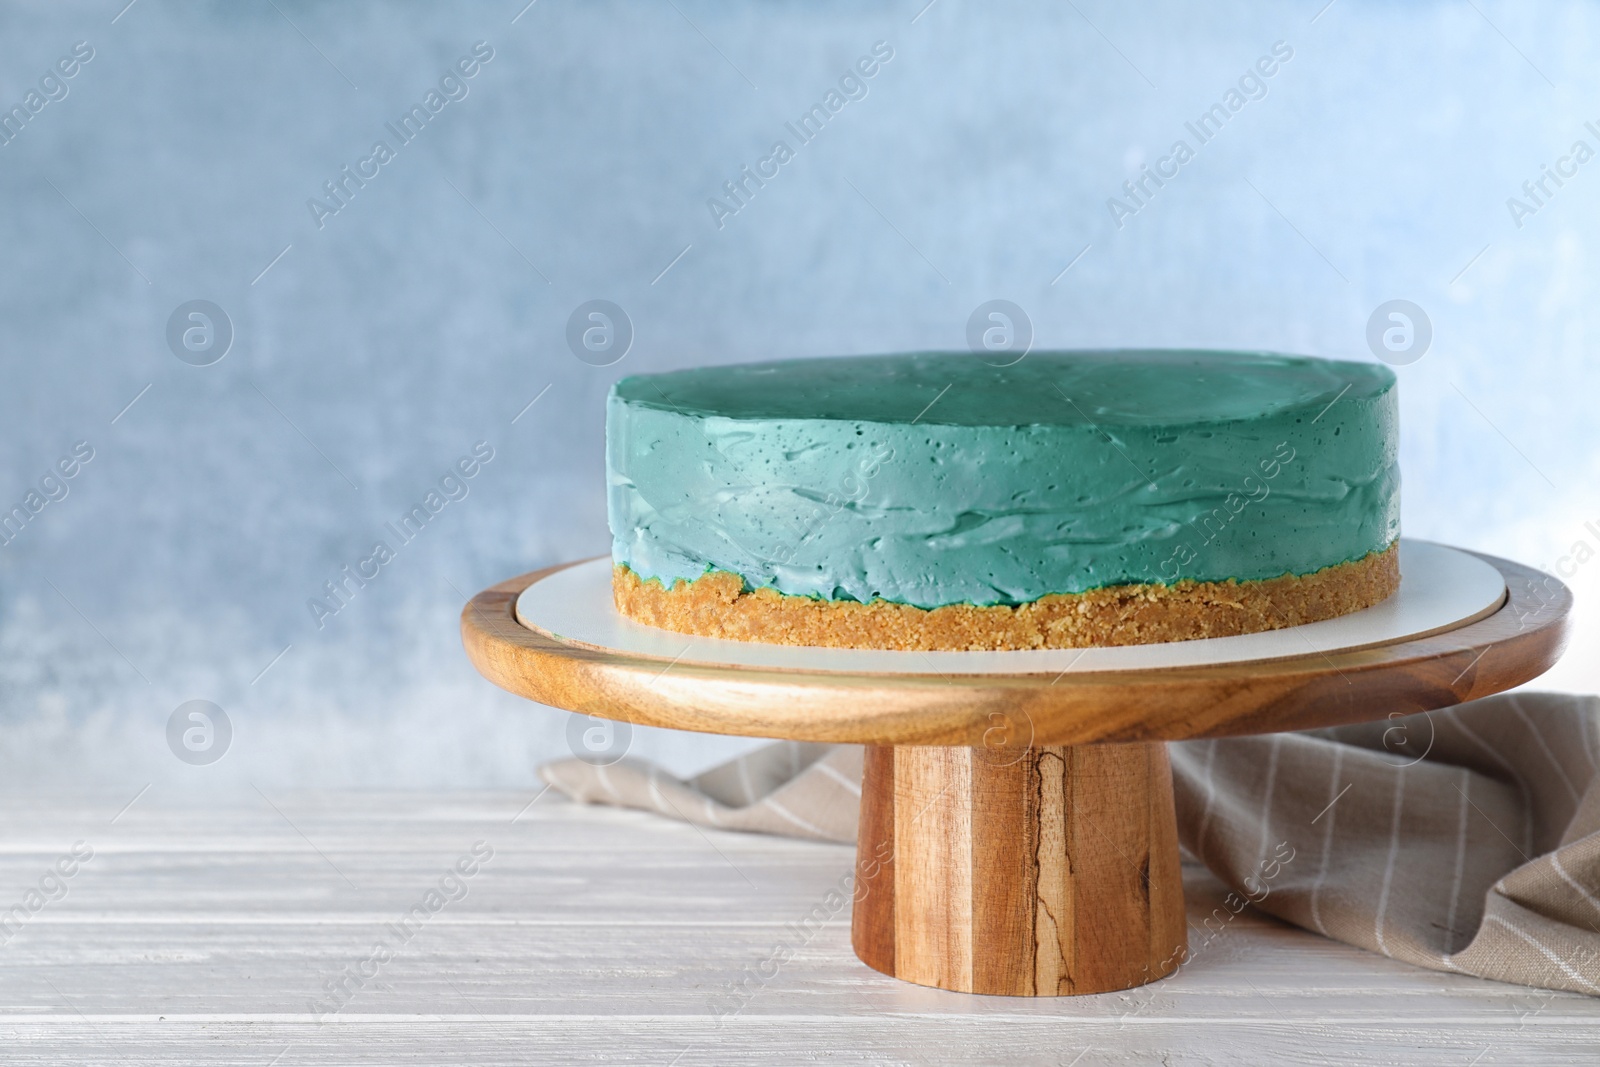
pixel 1017 830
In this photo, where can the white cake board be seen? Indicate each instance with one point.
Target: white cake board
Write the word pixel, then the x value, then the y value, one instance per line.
pixel 1441 588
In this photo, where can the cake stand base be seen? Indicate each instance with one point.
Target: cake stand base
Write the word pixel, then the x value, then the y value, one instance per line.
pixel 1035 872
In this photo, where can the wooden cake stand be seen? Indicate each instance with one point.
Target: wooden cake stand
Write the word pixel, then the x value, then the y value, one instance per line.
pixel 1017 828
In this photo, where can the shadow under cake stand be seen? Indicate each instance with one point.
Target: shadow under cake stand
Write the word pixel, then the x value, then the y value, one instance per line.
pixel 1017 829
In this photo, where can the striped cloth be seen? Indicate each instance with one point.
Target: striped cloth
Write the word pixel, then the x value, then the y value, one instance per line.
pixel 1461 840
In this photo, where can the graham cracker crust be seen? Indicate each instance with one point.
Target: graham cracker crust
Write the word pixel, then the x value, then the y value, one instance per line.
pixel 715 605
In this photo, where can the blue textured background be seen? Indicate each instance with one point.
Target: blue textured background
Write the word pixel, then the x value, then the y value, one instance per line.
pixel 426 314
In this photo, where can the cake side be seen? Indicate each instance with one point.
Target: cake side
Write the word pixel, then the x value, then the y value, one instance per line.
pixel 934 480
pixel 717 605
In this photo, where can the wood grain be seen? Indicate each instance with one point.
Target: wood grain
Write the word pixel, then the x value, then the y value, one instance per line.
pixel 872 929
pixel 1046 872
pixel 1514 645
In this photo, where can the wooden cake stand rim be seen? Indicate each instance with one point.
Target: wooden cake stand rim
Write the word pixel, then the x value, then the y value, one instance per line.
pixel 1513 645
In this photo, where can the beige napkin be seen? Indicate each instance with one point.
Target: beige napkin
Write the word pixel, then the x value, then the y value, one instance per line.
pixel 1462 840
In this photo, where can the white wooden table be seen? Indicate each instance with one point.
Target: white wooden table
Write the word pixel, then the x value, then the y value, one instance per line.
pixel 205 932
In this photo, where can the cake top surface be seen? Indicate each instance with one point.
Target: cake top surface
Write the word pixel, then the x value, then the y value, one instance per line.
pixel 1130 387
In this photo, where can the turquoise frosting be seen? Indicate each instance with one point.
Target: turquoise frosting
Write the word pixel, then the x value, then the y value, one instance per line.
pixel 936 478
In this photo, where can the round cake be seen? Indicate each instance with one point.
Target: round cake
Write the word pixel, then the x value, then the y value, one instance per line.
pixel 933 501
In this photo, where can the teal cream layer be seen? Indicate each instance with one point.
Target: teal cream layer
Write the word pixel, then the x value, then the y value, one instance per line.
pixel 935 478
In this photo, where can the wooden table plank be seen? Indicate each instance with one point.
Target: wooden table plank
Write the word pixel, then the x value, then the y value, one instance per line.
pixel 208 934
